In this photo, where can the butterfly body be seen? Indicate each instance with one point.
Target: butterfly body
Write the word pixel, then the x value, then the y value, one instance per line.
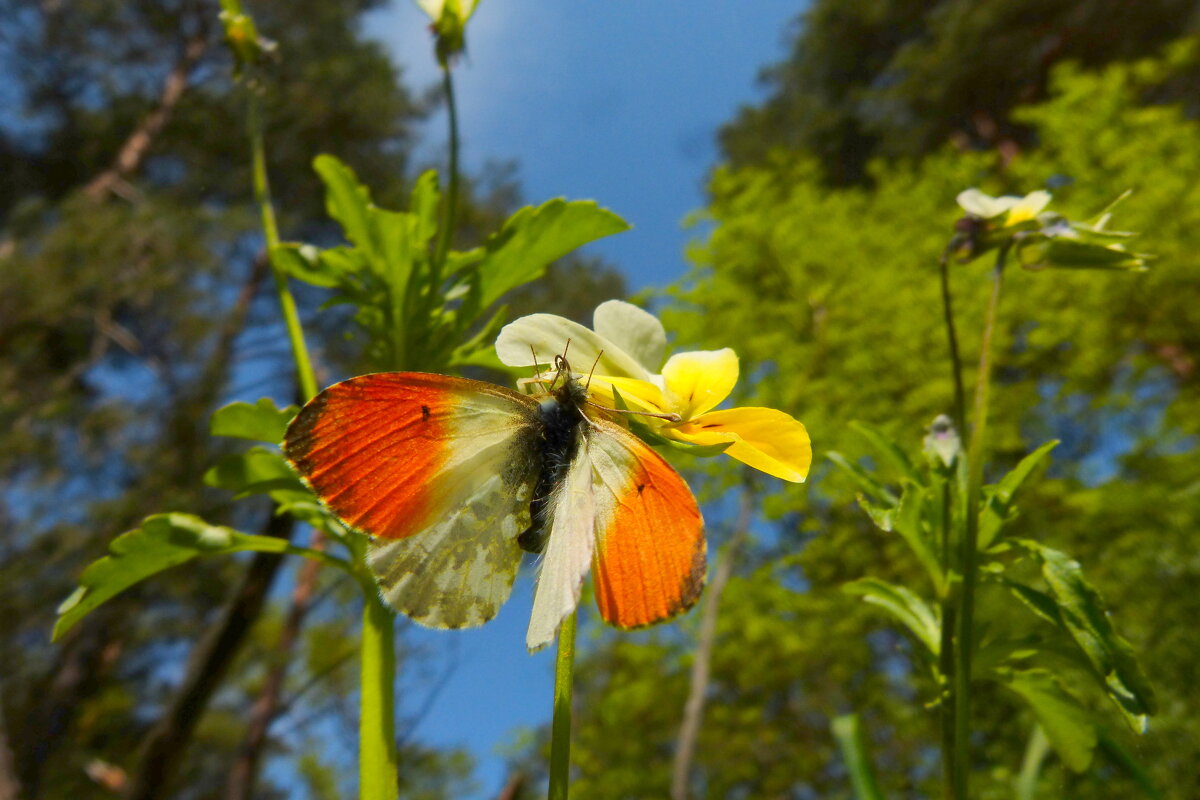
pixel 455 478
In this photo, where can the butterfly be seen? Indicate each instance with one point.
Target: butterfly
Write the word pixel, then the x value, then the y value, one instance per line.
pixel 454 479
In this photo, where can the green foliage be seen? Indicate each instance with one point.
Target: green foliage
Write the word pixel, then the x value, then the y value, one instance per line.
pixel 416 313
pixel 836 291
pixel 161 542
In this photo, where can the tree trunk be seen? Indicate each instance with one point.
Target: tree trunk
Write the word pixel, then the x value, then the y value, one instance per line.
pixel 693 709
pixel 162 750
pixel 244 773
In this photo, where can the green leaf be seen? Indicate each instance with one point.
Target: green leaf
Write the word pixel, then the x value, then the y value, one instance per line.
pixel 1085 618
pixel 909 522
pixel 261 422
pixel 257 471
pixel 997 505
pixel 304 263
pixel 1066 723
pixel 891 452
pixel 847 730
pixel 162 541
pixel 904 605
pixel 346 200
pixel 534 237
pixel 873 488
pixel 424 207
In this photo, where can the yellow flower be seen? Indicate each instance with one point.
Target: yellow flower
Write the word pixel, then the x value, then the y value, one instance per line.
pixel 1015 210
pixel 626 345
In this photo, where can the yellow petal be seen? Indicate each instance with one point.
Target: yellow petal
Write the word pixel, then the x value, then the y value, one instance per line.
pixel 764 438
pixel 637 395
pixel 1028 207
pixel 697 381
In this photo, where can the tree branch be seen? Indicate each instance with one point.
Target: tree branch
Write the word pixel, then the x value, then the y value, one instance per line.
pixel 162 749
pixel 137 144
pixel 244 773
pixel 693 710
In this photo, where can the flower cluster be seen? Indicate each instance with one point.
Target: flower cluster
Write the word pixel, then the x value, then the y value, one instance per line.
pixel 679 398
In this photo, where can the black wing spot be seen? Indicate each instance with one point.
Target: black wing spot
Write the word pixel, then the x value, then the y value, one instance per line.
pixel 641 486
pixel 424 412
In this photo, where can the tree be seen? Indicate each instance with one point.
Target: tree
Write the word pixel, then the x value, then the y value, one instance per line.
pixel 831 297
pixel 899 78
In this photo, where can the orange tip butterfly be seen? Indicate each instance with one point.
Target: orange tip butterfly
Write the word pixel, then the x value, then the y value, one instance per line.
pixel 454 479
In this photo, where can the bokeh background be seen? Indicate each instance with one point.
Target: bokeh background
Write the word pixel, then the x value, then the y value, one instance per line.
pixel 790 171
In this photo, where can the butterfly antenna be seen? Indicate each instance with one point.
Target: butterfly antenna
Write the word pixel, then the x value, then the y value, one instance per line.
pixel 593 370
pixel 537 368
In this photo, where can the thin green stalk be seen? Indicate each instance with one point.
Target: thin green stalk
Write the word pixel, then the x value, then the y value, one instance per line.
pixel 946 652
pixel 960 402
pixel 968 551
pixel 377 774
pixel 560 731
pixel 262 196
pixel 450 206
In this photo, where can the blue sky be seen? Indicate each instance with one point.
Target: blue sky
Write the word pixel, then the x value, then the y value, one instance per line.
pixel 609 100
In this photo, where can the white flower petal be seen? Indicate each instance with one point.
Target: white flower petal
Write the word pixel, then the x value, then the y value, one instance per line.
pixel 547 335
pixel 637 332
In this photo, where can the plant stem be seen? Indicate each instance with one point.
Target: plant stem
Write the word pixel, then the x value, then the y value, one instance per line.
pixel 450 207
pixel 560 732
pixel 377 774
pixel 949 597
pixel 960 402
pixel 262 196
pixel 968 552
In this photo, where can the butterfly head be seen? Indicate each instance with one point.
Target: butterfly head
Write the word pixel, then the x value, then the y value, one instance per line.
pixel 565 387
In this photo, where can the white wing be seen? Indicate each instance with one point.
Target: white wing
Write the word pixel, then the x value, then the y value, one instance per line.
pixel 568 551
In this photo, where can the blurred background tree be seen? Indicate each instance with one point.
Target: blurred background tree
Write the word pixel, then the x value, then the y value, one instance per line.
pixel 130 269
pixel 821 270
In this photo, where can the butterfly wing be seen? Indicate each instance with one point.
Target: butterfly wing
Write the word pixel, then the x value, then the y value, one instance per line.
pixel 649 559
pixel 623 508
pixel 568 551
pixel 399 454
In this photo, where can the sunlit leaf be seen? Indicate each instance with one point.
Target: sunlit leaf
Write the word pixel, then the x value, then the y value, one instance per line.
pixel 890 450
pixel 162 541
pixel 1085 617
pixel 1066 723
pixel 261 422
pixel 904 605
pixel 534 237
pixel 997 505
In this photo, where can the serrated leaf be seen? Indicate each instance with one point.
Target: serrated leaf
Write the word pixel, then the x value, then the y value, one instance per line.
pixel 346 200
pixel 162 541
pixel 1085 617
pixel 534 237
pixel 260 422
pixel 913 612
pixel 1067 724
pixel 890 450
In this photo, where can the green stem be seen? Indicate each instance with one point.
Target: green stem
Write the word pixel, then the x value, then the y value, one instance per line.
pixel 262 196
pixel 946 652
pixel 450 207
pixel 377 774
pixel 560 732
pixel 960 402
pixel 968 552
